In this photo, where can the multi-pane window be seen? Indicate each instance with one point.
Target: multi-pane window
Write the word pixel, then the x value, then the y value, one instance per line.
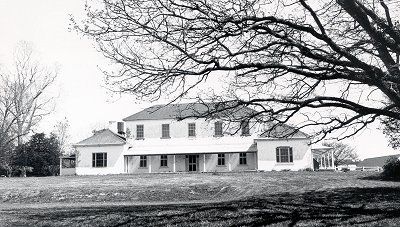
pixel 243 158
pixel 143 161
pixel 244 125
pixel 218 128
pixel 284 154
pixel 192 129
pixel 164 160
pixel 99 159
pixel 139 132
pixel 165 131
pixel 221 159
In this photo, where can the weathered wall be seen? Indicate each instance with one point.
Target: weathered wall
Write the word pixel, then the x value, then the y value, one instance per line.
pixel 302 157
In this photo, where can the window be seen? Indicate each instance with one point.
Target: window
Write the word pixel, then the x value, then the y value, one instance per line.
pixel 164 161
pixel 242 158
pixel 99 159
pixel 192 129
pixel 284 154
pixel 218 128
pixel 165 131
pixel 221 159
pixel 244 125
pixel 143 161
pixel 139 132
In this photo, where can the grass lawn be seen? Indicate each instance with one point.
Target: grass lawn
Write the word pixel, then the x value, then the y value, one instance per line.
pixel 234 199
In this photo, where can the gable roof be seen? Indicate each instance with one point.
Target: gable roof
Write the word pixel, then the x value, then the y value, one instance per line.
pixel 377 161
pixel 283 131
pixel 102 137
pixel 199 110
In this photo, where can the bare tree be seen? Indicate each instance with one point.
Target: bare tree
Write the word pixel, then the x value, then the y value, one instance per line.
pixel 61 132
pixel 284 58
pixel 342 152
pixel 29 81
pixel 23 99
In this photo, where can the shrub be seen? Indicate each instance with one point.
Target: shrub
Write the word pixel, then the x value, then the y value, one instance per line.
pixel 345 169
pixel 391 170
pixel 306 170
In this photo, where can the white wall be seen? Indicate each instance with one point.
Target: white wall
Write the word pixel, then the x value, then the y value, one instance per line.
pixel 211 163
pixel 115 160
pixel 133 164
pixel 302 157
pixel 179 129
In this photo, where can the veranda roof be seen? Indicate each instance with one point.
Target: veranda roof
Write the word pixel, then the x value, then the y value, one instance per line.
pixel 192 146
pixel 318 149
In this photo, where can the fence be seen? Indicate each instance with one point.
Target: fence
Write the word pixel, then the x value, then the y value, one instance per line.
pixel 369 168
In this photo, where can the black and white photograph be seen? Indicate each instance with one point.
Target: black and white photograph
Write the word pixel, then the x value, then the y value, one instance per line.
pixel 199 113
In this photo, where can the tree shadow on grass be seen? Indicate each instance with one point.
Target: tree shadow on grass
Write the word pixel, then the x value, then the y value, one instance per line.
pixel 348 206
pixel 380 177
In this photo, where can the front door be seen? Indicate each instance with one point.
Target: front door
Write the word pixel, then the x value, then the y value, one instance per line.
pixel 192 163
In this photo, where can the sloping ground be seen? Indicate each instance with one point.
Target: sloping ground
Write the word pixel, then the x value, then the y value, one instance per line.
pixel 249 199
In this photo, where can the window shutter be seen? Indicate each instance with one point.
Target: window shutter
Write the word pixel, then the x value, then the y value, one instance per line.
pixel 277 155
pixel 93 160
pixel 105 160
pixel 290 154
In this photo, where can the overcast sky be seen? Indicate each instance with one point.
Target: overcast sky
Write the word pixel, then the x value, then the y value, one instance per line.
pixel 81 97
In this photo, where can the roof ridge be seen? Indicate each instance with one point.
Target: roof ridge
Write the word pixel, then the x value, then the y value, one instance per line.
pixel 190 109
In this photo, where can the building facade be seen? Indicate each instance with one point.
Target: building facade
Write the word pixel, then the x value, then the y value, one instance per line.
pixel 173 138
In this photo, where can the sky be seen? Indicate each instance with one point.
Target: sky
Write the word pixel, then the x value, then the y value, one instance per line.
pixel 80 93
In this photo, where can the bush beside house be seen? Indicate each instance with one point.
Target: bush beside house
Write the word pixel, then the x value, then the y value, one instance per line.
pixel 37 157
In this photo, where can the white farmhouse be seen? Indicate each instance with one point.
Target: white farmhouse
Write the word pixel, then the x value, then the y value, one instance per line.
pixel 176 138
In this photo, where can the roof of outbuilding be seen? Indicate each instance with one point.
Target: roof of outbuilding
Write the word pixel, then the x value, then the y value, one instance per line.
pixel 283 131
pixel 185 110
pixel 377 161
pixel 102 137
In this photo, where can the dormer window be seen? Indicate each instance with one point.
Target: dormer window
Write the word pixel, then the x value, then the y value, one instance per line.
pixel 165 131
pixel 244 125
pixel 139 132
pixel 218 128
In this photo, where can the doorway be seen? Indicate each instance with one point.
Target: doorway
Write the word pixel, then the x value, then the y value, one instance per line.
pixel 193 162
